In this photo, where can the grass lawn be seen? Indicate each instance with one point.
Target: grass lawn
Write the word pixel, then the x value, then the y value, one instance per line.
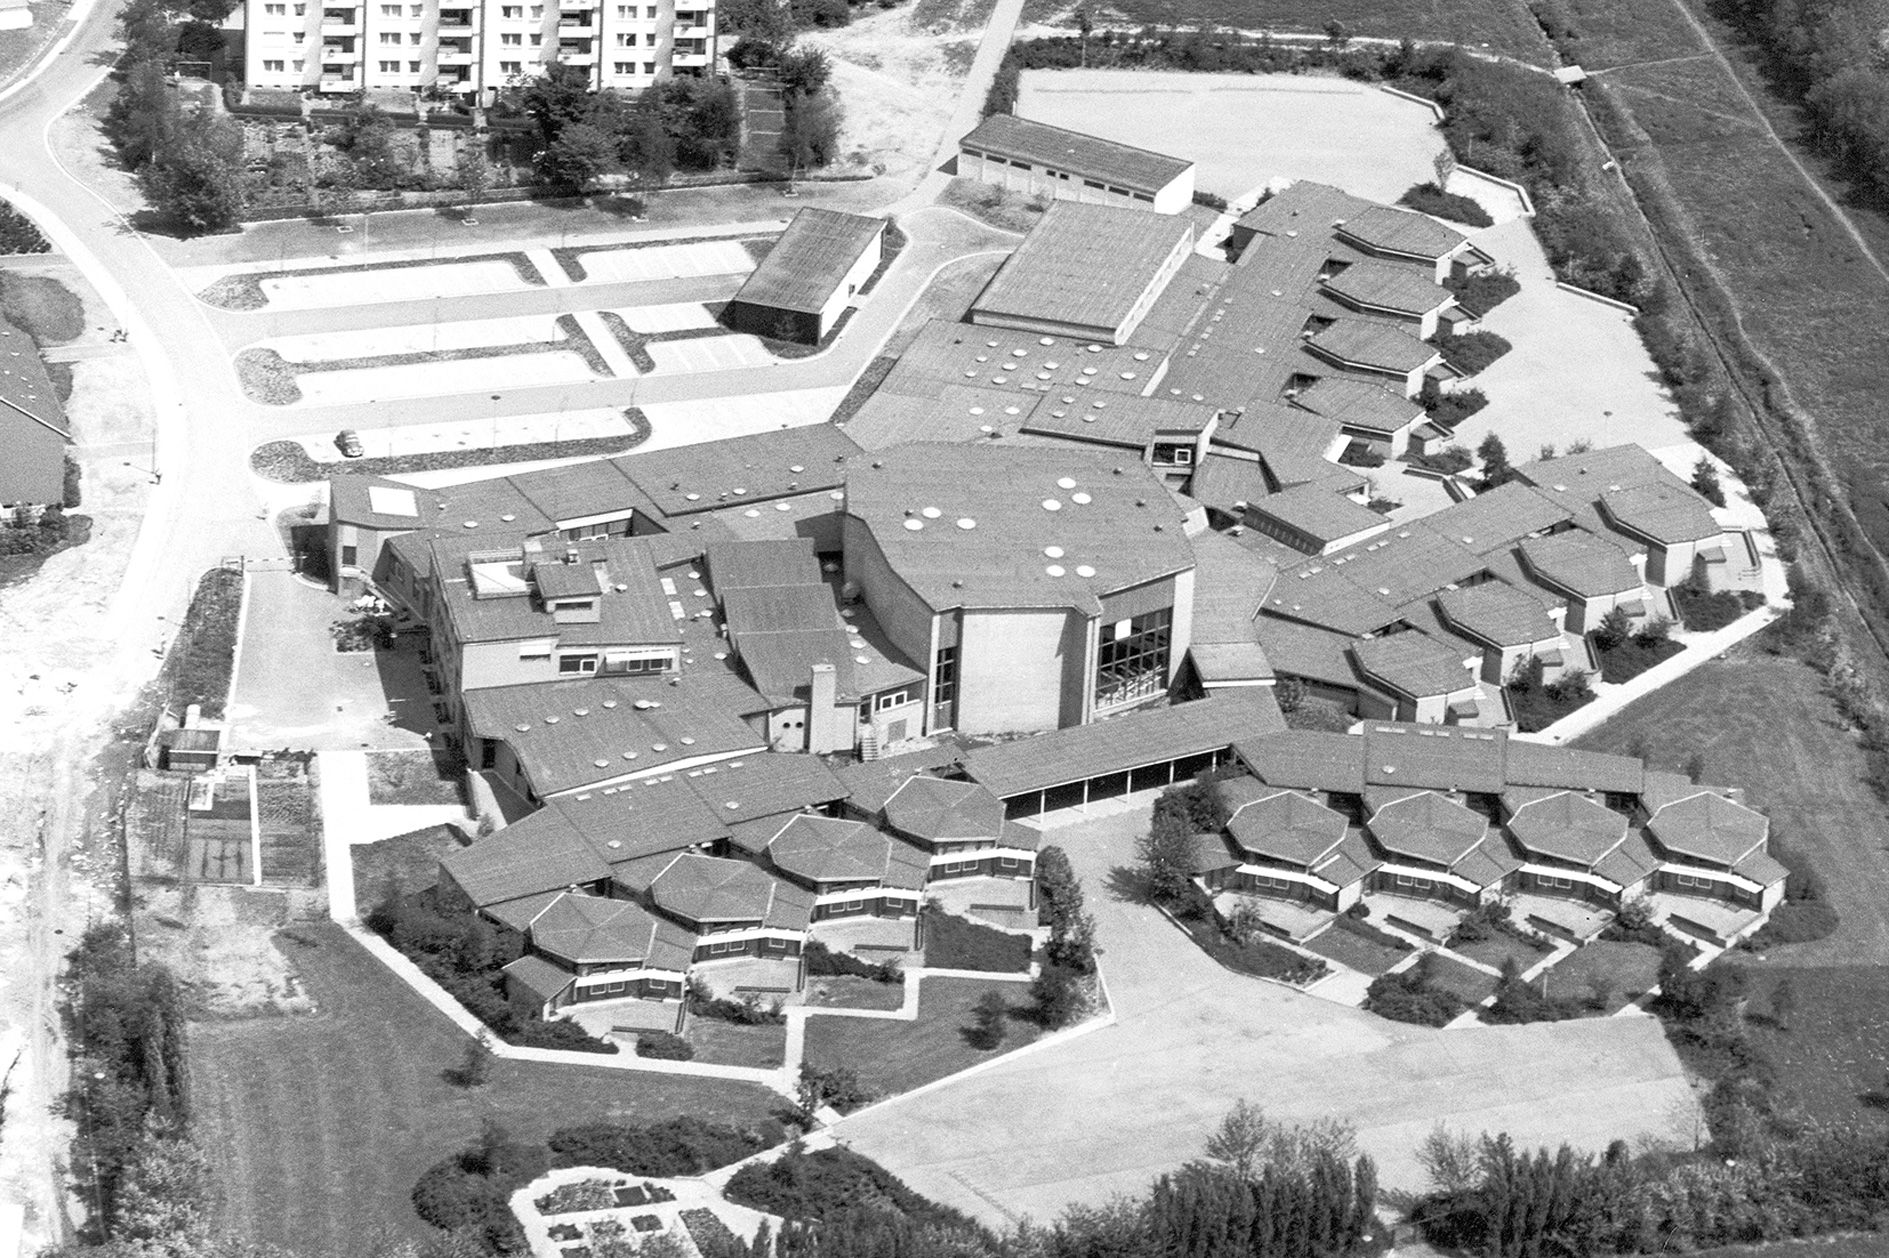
pixel 1704 612
pixel 957 943
pixel 1763 723
pixel 1536 709
pixel 402 865
pixel 892 1057
pixel 1629 970
pixel 848 991
pixel 1499 947
pixel 1833 1051
pixel 1367 956
pixel 319 1126
pixel 1466 981
pixel 1868 1245
pixel 1610 32
pixel 1500 26
pixel 721 1043
pixel 42 307
pixel 414 777
pixel 202 657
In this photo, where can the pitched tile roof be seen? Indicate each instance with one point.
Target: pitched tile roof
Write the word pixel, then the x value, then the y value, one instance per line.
pixel 1498 613
pixel 1085 265
pixel 1287 826
pixel 33 424
pixel 980 526
pixel 825 849
pixel 589 929
pixel 1569 827
pixel 1360 404
pixel 1569 768
pixel 872 782
pixel 1580 563
pixel 1075 153
pixel 1389 286
pixel 1710 827
pixel 1357 342
pixel 1307 760
pixel 744 565
pixel 708 889
pixel 810 260
pixel 1500 517
pixel 542 852
pixel 934 810
pixel 1306 651
pixel 1125 742
pixel 1414 665
pixel 1304 208
pixel 538 976
pixel 1667 514
pixel 1428 827
pixel 1400 231
pixel 1438 757
pixel 1320 514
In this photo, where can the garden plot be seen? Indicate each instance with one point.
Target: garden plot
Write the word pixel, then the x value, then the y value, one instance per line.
pixel 666 262
pixel 419 338
pixel 679 316
pixel 401 283
pixel 710 353
pixel 1244 130
pixel 463 375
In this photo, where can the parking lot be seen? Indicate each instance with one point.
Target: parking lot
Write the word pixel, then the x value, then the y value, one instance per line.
pixel 710 353
pixel 666 262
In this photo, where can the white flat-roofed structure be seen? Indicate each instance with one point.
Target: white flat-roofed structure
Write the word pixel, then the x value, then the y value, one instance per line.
pixel 1087 271
pixel 1038 159
pixel 809 277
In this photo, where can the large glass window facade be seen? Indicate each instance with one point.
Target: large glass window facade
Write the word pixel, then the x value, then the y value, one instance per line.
pixel 1132 661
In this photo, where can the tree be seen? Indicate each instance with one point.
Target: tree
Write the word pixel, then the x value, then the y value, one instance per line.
pixel 1783 1003
pixel 475 1069
pixel 1289 693
pixel 990 1011
pixel 1241 1138
pixel 196 178
pixel 1058 995
pixel 644 147
pixel 1705 481
pixel 1337 35
pixel 473 171
pixel 557 99
pixel 1612 629
pixel 805 70
pixel 580 157
pixel 1495 462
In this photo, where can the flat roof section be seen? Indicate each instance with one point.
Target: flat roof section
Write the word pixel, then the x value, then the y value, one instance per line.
pixel 1075 153
pixel 810 260
pixel 1084 266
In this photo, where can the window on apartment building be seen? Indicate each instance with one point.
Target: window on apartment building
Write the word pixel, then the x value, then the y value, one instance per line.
pixel 300 37
pixel 512 10
pixel 511 67
pixel 275 10
pixel 626 12
pixel 1132 660
pixel 626 40
pixel 390 37
pixel 390 67
pixel 577 663
pixel 299 65
pixel 649 67
pixel 650 13
pixel 537 40
pixel 416 10
pixel 413 67
pixel 511 41
pixel 301 10
pixel 1009 864
pixel 390 10
pixel 350 555
pixel 1406 883
pixel 623 67
pixel 537 11
pixel 414 37
pixel 1554 883
pixel 275 67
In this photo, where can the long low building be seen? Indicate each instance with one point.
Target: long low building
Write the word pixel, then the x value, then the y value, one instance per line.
pixel 1037 159
pixel 1089 271
pixel 809 277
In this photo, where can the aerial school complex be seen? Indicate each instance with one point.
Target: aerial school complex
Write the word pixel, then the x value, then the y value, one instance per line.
pixel 720 697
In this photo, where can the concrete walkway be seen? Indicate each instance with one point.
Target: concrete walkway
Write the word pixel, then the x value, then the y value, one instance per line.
pixel 347 818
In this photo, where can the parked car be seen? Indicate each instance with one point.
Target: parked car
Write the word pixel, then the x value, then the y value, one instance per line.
pixel 350 443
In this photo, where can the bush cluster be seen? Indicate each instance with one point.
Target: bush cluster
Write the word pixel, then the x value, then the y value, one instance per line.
pixel 747 1010
pixel 823 962
pixel 1427 198
pixel 19 234
pixel 1412 995
pixel 664 1046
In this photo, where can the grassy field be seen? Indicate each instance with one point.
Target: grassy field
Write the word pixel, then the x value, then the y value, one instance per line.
pixel 414 777
pixel 1832 1050
pixel 1501 26
pixel 1628 969
pixel 957 943
pixel 721 1043
pixel 1617 32
pixel 1763 723
pixel 1466 981
pixel 1872 1245
pixel 1499 947
pixel 320 1125
pixel 1806 296
pixel 845 991
pixel 1366 956
pixel 892 1057
pixel 401 865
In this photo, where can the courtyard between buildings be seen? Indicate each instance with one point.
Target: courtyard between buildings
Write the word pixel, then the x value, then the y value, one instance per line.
pixel 1103 1113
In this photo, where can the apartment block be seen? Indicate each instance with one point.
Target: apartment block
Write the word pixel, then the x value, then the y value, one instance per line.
pixel 473 47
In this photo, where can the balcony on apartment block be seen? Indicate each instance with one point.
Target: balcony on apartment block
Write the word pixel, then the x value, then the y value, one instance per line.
pixel 573 55
pixel 454 56
pixel 690 54
pixel 345 21
pixel 339 54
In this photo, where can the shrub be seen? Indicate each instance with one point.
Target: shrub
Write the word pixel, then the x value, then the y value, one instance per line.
pixel 1703 611
pixel 1427 198
pixel 1518 1002
pixel 837 1086
pixel 1212 200
pixel 1448 410
pixel 1485 290
pixel 664 1046
pixel 1410 996
pixel 829 1184
pixel 588 1194
pixel 824 962
pixel 1448 461
pixel 19 234
pixel 991 1012
pixel 680 1146
pixel 1471 352
pixel 746 1011
pixel 472 1190
pixel 74 493
pixel 1796 921
pixel 1059 996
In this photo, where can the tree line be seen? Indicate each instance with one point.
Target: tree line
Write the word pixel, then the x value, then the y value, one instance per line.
pixel 187 157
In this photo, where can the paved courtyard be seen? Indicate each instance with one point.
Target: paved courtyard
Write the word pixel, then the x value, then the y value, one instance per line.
pixel 1107 1111
pixel 294 690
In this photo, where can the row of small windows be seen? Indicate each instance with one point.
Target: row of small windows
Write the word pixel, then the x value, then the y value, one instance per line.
pixel 1065 176
pixel 513 12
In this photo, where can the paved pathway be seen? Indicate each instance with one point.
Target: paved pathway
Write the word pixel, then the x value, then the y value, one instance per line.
pixel 1108 1111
